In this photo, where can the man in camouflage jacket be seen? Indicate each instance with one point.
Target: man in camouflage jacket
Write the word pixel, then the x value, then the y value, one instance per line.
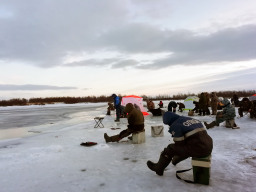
pixel 228 113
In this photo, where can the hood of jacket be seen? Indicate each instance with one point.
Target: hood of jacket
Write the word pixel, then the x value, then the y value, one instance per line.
pixel 128 108
pixel 169 117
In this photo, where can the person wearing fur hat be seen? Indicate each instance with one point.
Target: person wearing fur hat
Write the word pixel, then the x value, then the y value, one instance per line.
pixel 135 124
pixel 190 140
pixel 227 113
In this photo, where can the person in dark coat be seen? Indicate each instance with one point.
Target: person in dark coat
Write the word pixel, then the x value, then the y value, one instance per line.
pixel 214 103
pixel 135 124
pixel 228 113
pixel 110 108
pixel 190 140
pixel 244 106
pixel 203 104
pixel 196 109
pixel 172 106
pixel 117 104
pixel 181 106
pixel 235 100
pixel 160 104
pixel 253 110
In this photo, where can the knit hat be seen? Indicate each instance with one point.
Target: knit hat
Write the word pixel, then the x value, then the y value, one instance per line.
pixel 169 117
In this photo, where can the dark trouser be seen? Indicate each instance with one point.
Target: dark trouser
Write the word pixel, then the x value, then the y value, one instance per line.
pixel 118 112
pixel 108 112
pixel 253 114
pixel 201 111
pixel 214 109
pixel 131 129
pixel 156 112
pixel 241 110
pixel 198 145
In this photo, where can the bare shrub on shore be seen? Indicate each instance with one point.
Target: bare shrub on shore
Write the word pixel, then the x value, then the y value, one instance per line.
pixel 103 98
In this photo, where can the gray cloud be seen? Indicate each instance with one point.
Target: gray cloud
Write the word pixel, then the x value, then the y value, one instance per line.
pixel 42 33
pixel 125 63
pixel 29 87
pixel 240 80
pixel 92 62
pixel 188 48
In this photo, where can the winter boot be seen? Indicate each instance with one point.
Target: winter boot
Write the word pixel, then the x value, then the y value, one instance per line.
pixel 211 125
pixel 114 138
pixel 159 167
pixel 176 159
pixel 117 120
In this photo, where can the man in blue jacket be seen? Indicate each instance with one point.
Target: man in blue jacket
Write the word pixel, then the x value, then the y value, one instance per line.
pixel 117 104
pixel 190 140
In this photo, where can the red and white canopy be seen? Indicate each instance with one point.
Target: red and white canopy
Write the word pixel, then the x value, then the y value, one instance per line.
pixel 134 100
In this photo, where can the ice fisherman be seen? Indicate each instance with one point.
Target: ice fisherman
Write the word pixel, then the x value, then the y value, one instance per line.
pixel 190 140
pixel 172 106
pixel 110 108
pixel 228 113
pixel 244 106
pixel 181 106
pixel 117 104
pixel 150 105
pixel 161 104
pixel 135 124
pixel 214 102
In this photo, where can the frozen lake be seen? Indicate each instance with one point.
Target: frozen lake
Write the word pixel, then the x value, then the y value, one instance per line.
pixel 19 121
pixel 53 160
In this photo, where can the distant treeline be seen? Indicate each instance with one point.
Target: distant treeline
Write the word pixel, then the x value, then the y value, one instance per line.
pixel 52 100
pixel 94 99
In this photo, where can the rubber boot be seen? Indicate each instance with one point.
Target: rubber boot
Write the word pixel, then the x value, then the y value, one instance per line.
pixel 114 138
pixel 159 167
pixel 211 125
pixel 176 159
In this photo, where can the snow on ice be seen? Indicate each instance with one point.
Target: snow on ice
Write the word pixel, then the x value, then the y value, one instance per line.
pixel 40 151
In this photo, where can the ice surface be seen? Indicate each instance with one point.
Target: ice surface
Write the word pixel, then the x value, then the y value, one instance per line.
pixel 47 155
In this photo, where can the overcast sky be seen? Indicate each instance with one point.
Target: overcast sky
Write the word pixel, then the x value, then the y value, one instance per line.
pixel 143 47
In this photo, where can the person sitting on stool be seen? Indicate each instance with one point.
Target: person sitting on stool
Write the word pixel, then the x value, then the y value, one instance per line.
pixel 135 124
pixel 190 140
pixel 228 113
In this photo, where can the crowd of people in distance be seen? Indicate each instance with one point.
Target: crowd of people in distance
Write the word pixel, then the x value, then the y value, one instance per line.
pixel 202 107
pixel 189 135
